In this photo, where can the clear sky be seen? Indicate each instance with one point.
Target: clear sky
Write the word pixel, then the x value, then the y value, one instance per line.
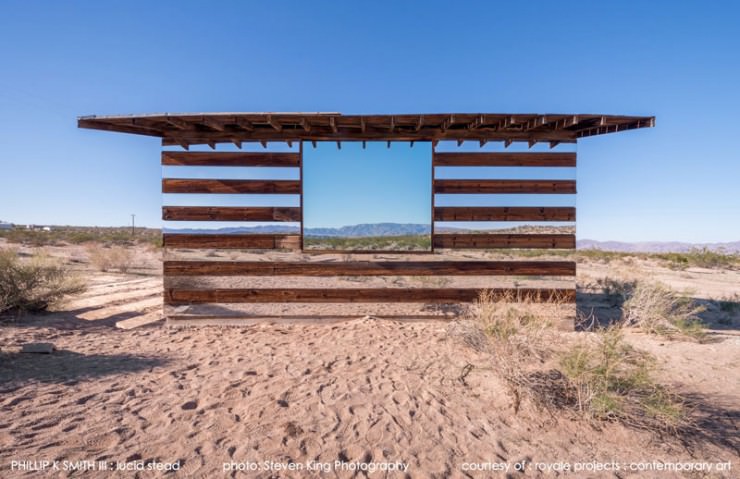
pixel 678 61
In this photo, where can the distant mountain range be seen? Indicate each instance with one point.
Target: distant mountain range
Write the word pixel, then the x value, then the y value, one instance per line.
pixel 399 229
pixel 656 246
pixel 353 231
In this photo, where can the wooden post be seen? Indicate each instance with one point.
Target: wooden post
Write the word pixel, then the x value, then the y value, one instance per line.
pixel 300 179
pixel 431 238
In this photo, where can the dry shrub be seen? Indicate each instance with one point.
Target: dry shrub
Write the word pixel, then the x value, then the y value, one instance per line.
pixel 513 333
pixel 107 258
pixel 35 283
pixel 656 309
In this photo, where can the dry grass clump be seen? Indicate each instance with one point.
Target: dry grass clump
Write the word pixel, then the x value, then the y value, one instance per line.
pixel 653 307
pixel 107 258
pixel 656 309
pixel 35 283
pixel 515 336
pixel 599 378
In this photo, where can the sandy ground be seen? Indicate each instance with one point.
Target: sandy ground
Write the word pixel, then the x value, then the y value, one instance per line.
pixel 367 390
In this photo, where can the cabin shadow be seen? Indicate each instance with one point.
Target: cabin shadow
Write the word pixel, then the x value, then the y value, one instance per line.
pixel 68 367
pixel 598 310
pixel 65 320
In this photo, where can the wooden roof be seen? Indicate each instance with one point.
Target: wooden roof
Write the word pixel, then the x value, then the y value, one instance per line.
pixel 211 128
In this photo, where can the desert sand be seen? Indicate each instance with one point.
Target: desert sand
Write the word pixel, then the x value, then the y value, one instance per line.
pixel 358 391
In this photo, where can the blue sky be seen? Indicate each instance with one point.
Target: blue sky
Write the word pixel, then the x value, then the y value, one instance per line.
pixel 677 61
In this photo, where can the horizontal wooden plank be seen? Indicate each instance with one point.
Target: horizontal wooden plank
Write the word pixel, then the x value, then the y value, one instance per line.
pixel 222 158
pixel 492 240
pixel 369 268
pixel 187 185
pixel 505 159
pixel 360 295
pixel 505 186
pixel 230 213
pixel 504 213
pixel 235 241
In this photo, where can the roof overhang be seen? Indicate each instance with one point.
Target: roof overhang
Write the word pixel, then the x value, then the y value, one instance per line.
pixel 211 128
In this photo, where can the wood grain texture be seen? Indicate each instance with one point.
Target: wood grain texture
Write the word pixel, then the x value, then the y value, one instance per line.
pixel 359 295
pixel 369 268
pixel 230 213
pixel 505 186
pixel 213 158
pixel 187 185
pixel 495 241
pixel 504 213
pixel 235 241
pixel 505 159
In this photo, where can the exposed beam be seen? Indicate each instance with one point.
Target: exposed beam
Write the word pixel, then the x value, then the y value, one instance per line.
pixel 213 124
pixel 178 123
pixel 274 123
pixel 564 136
pixel 535 123
pixel 333 124
pixel 447 122
pixel 244 124
pixel 477 123
pixel 306 125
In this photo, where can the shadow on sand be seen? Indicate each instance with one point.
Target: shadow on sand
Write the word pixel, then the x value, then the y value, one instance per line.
pixel 711 424
pixel 597 309
pixel 68 367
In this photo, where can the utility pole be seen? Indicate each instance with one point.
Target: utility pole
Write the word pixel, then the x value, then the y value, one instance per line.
pixel 133 227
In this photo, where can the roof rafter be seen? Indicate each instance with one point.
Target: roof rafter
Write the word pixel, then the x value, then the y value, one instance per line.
pixel 212 128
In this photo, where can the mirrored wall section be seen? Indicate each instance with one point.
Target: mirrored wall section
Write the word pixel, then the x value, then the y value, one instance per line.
pixel 505 200
pixel 367 196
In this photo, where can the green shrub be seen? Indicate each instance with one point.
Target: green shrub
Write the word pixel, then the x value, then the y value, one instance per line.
pixel 369 243
pixel 701 258
pixel 610 380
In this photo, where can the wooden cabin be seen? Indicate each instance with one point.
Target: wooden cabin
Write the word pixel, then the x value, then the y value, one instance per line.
pixel 243 278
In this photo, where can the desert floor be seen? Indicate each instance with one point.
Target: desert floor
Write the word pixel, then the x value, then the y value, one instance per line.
pixel 363 390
